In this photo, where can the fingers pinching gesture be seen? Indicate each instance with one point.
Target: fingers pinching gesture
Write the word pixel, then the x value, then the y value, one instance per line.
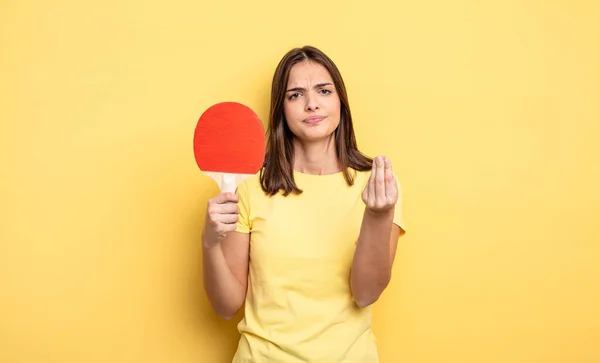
pixel 381 192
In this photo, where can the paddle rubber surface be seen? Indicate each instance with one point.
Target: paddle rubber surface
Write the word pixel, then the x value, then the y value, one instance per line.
pixel 229 138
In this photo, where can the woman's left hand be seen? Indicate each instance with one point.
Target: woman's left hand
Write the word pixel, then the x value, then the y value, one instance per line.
pixel 381 192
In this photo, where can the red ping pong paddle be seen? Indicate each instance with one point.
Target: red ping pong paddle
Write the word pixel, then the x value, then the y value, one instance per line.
pixel 229 144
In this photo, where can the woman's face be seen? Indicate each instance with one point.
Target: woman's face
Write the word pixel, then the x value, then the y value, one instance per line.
pixel 311 105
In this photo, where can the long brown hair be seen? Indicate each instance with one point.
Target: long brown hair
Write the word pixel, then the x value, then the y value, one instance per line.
pixel 277 172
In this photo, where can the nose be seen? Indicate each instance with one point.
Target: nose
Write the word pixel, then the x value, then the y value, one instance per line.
pixel 311 102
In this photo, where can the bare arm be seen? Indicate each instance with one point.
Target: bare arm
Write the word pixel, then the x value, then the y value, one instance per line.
pixel 225 270
pixel 374 256
pixel 372 265
pixel 225 257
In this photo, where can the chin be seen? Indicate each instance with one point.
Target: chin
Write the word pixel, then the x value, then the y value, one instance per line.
pixel 315 136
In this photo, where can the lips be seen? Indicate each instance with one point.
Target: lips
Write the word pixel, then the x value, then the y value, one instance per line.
pixel 314 119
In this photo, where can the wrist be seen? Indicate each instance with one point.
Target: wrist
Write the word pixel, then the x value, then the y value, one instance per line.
pixel 383 215
pixel 209 243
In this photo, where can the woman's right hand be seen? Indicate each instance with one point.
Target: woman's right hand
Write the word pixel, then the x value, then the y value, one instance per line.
pixel 221 217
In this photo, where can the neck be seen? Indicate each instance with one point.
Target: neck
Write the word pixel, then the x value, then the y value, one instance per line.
pixel 317 157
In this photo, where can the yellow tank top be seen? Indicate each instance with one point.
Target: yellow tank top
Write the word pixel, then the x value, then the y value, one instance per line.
pixel 299 307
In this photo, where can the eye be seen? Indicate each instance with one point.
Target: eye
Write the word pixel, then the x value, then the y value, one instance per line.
pixel 293 96
pixel 325 91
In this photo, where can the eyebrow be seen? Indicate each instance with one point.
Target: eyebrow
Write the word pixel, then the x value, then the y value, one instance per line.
pixel 304 89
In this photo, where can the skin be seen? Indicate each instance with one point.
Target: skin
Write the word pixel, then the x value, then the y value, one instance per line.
pixel 311 93
pixel 312 111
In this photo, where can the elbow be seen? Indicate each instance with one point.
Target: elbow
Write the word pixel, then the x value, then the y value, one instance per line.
pixel 226 313
pixel 226 306
pixel 225 316
pixel 363 302
pixel 367 297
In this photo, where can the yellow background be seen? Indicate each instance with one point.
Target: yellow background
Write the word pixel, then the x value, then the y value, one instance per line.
pixel 489 111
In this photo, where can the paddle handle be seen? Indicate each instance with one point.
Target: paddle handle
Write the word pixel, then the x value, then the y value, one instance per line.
pixel 228 183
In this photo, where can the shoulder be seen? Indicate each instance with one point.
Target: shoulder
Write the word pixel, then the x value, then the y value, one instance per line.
pixel 250 184
pixel 361 177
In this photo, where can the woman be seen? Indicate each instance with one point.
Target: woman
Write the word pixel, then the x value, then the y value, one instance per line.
pixel 308 243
